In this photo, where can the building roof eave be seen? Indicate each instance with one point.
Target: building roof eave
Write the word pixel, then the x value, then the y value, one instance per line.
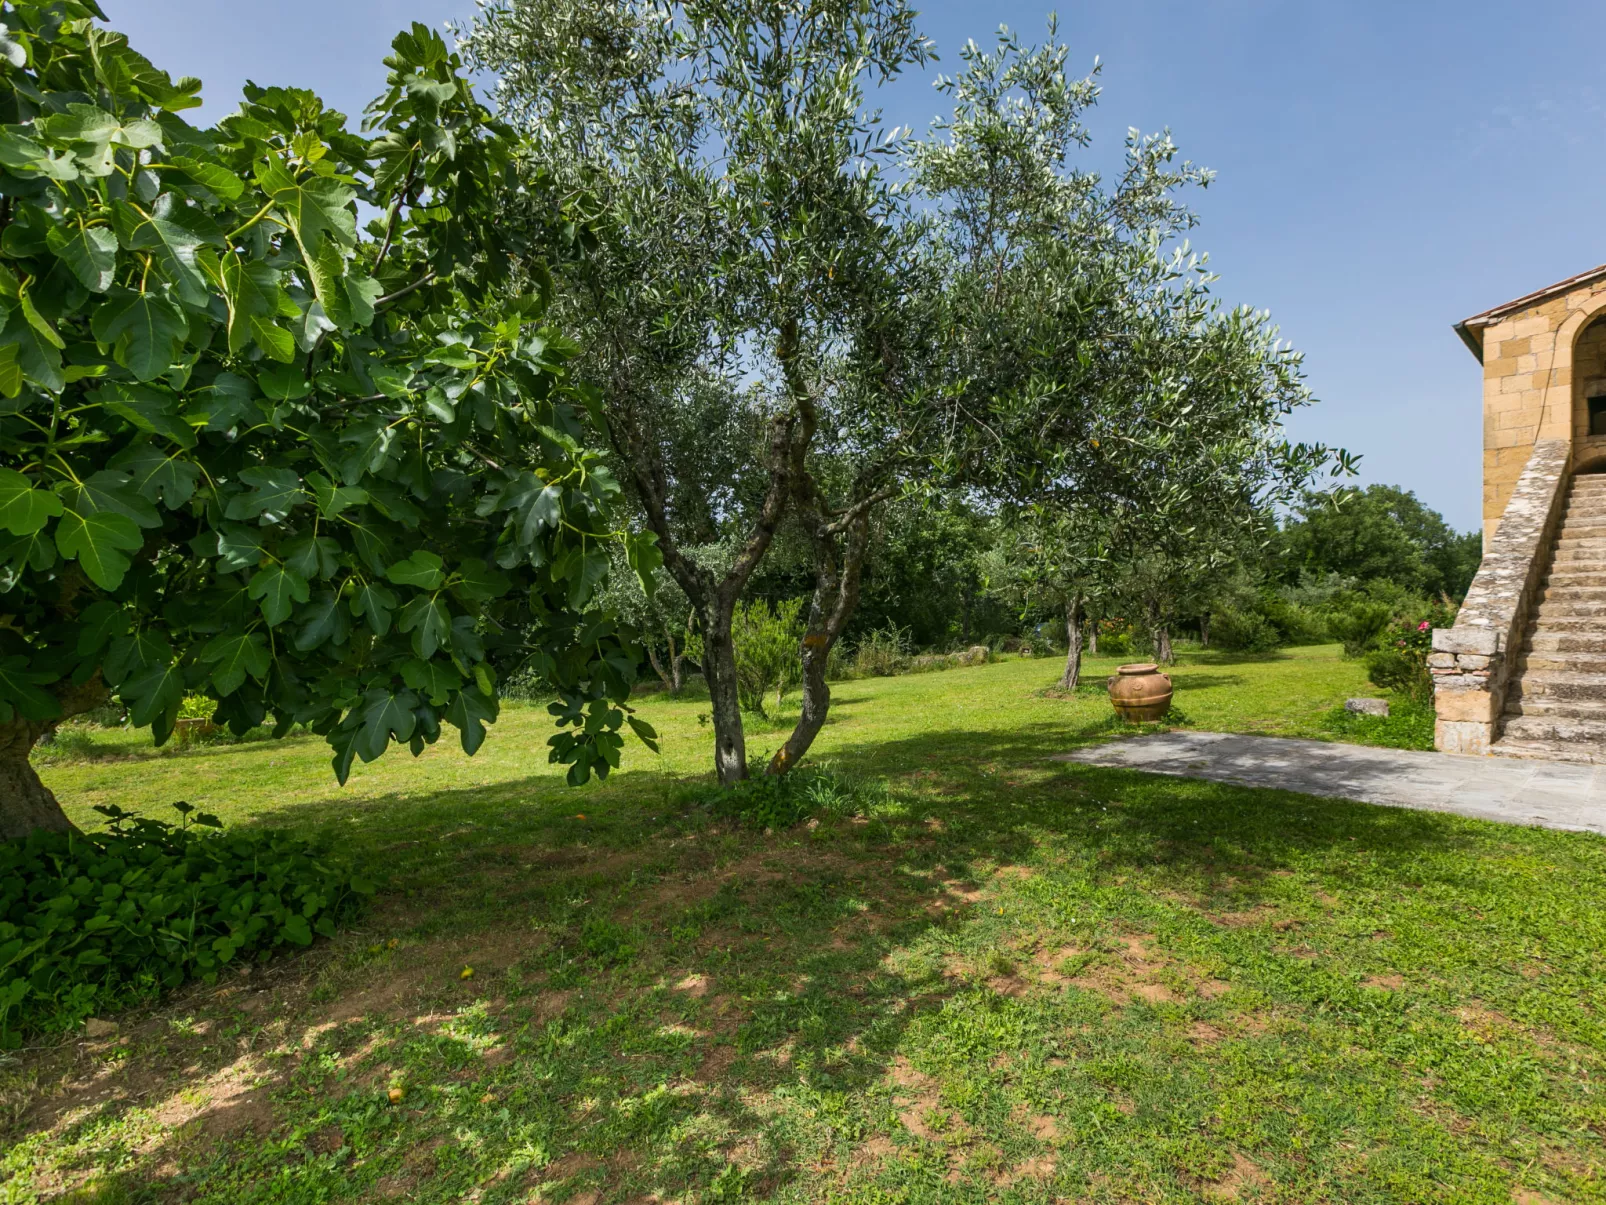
pixel 1471 329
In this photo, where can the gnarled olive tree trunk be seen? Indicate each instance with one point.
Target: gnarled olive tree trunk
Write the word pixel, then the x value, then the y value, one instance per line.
pixel 714 596
pixel 840 544
pixel 26 804
pixel 1160 634
pixel 1073 643
pixel 719 669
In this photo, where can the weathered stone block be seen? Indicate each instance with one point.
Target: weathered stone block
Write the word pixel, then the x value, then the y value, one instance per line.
pixel 1367 706
pixel 1472 661
pixel 1464 706
pixel 1459 736
pixel 1441 660
pixel 1483 641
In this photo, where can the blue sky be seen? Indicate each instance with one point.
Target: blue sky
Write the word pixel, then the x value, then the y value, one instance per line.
pixel 1385 167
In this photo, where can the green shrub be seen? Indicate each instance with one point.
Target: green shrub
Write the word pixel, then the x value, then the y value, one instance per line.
pixel 90 922
pixel 926 663
pixel 838 665
pixel 1243 632
pixel 1400 660
pixel 1360 626
pixel 1116 639
pixel 1295 624
pixel 767 651
pixel 196 707
pixel 880 654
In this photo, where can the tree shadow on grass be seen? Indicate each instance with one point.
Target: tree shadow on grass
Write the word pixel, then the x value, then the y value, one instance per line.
pixel 1192 657
pixel 594 976
pixel 1187 682
pixel 646 972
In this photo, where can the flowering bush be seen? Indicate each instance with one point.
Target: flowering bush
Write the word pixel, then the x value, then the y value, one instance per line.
pixel 1400 661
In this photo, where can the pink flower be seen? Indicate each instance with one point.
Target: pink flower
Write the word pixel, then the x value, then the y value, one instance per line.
pixel 1423 626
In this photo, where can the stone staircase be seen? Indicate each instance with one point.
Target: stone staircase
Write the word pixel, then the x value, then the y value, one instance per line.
pixel 1556 701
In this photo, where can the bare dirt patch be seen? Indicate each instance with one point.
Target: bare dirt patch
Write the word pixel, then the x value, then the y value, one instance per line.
pixel 918 1103
pixel 1131 973
pixel 1154 993
pixel 1039 1167
pixel 1043 1127
pixel 875 1150
pixel 1245 1182
pixel 1392 983
pixel 694 985
pixel 715 1063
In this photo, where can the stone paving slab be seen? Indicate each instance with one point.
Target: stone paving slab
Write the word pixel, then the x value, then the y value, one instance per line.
pixel 1548 794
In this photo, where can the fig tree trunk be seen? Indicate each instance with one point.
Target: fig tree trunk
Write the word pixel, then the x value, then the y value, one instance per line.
pixel 26 804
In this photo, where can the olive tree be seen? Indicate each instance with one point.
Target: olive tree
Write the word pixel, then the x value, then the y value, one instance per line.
pixel 722 157
pixel 252 451
pixel 1091 377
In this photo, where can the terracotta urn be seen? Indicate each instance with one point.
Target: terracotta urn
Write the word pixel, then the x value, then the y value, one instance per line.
pixel 1140 692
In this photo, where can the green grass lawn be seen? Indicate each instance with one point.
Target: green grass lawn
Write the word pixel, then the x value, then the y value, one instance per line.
pixel 1005 978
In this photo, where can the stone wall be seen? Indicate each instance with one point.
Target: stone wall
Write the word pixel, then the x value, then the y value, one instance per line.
pixel 1470 662
pixel 1529 390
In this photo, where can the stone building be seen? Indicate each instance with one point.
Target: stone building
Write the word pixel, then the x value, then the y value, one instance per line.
pixel 1523 672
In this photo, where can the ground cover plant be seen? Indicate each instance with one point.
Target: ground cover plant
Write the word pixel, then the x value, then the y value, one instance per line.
pixel 1408 725
pixel 979 975
pixel 93 922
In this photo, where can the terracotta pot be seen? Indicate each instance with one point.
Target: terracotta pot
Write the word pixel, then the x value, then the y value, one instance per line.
pixel 1140 692
pixel 187 730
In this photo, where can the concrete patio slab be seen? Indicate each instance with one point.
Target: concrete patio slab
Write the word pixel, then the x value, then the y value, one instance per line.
pixel 1548 794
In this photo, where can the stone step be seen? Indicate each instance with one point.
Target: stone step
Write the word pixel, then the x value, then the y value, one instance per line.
pixel 1584 640
pixel 1573 594
pixel 1565 623
pixel 1548 750
pixel 1573 576
pixel 1591 527
pixel 1559 684
pixel 1590 734
pixel 1572 661
pixel 1550 608
pixel 1560 709
pixel 1579 556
